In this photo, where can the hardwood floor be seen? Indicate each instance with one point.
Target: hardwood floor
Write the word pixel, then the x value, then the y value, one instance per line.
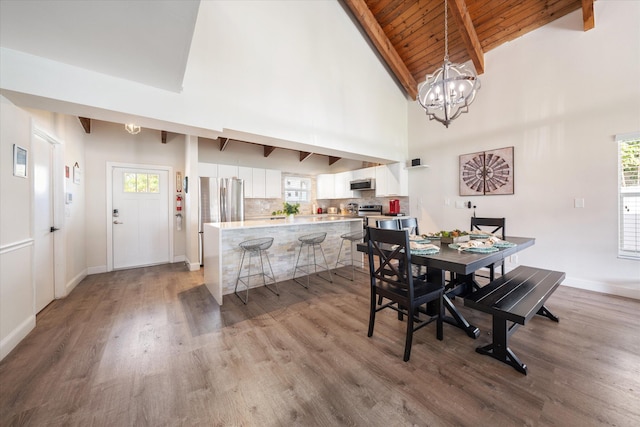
pixel 150 347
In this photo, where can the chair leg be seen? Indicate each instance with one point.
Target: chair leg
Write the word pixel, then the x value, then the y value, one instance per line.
pixel 409 338
pixel 439 321
pixel 372 314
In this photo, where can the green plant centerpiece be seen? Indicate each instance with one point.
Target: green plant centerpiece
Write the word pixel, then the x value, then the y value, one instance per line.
pixel 288 209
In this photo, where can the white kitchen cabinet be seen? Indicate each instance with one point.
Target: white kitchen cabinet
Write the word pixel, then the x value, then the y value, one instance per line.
pixel 208 169
pixel 227 171
pixel 246 174
pixel 259 183
pixel 392 180
pixel 273 184
pixel 341 185
pixel 325 186
pixel 364 173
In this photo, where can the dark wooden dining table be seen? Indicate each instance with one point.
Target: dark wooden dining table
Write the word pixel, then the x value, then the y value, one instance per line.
pixel 462 265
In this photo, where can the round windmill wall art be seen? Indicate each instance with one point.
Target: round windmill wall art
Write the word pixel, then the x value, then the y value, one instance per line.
pixel 487 172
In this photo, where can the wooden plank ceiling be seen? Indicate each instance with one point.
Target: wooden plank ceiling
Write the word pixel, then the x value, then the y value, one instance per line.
pixel 409 34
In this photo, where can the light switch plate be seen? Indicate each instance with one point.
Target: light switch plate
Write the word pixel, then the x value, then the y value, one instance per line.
pixel 578 203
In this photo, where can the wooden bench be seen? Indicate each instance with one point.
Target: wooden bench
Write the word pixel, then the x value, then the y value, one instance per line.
pixel 515 297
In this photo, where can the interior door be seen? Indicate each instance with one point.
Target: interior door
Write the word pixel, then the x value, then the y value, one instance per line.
pixel 43 222
pixel 140 217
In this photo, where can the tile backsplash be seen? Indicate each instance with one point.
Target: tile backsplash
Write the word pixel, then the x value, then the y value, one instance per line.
pixel 264 207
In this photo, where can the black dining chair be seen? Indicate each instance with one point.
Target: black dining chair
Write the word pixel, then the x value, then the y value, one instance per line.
pixel 410 224
pixel 495 226
pixel 391 279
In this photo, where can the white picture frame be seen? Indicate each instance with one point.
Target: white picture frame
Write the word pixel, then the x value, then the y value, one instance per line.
pixel 20 161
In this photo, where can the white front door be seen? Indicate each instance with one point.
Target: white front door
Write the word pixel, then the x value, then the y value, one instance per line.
pixel 140 217
pixel 43 220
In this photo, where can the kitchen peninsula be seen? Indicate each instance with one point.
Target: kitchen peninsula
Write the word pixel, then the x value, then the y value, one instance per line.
pixel 222 253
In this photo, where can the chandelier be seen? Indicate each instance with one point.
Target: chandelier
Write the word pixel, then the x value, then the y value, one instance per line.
pixel 132 128
pixel 449 91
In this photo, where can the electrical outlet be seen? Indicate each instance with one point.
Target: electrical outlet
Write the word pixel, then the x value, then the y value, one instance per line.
pixel 578 203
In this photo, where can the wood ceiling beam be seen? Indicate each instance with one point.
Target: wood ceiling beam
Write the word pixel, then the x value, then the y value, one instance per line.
pixel 588 17
pixel 268 149
pixel 377 36
pixel 304 155
pixel 86 124
pixel 223 143
pixel 458 9
pixel 332 160
pixel 163 136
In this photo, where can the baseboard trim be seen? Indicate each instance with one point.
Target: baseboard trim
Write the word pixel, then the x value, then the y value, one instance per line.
pixel 605 288
pixel 193 266
pixel 97 269
pixel 13 339
pixel 74 282
pixel 179 258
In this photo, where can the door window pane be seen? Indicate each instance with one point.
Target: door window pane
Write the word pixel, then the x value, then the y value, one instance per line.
pixel 141 182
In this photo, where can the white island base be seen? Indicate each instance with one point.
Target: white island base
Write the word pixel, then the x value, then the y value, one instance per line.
pixel 222 253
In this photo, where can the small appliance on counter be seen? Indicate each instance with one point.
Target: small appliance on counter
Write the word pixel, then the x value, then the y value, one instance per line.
pixel 332 210
pixel 394 206
pixel 352 208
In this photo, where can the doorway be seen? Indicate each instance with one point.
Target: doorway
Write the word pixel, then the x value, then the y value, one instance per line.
pixel 44 218
pixel 138 216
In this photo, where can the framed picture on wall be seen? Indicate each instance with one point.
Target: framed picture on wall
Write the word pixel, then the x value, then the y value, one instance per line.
pixel 20 165
pixel 487 172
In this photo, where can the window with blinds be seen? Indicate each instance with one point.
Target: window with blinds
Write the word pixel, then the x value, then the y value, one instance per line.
pixel 629 195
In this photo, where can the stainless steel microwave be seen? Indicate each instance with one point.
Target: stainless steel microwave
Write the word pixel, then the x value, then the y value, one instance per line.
pixel 363 184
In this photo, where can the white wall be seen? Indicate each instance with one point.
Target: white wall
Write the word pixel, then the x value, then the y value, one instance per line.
pixel 109 142
pixel 296 72
pixel 558 95
pixel 17 296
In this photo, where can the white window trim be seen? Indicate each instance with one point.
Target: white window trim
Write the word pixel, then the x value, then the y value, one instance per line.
pixel 634 192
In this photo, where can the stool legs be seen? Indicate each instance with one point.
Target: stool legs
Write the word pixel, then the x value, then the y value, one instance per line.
pixel 345 263
pixel 311 247
pixel 264 274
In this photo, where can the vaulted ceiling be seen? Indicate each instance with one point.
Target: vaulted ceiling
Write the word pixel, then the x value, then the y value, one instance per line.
pixel 409 34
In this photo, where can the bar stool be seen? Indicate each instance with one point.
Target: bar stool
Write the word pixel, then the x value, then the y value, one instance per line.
pixel 352 237
pixel 312 242
pixel 255 247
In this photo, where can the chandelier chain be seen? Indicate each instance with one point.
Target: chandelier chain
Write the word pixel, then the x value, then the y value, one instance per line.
pixel 446 33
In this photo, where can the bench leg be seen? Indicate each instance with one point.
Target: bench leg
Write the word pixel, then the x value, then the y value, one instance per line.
pixel 544 311
pixel 499 348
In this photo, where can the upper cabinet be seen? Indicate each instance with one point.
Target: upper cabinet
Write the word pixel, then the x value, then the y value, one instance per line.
pixel 341 185
pixel 273 184
pixel 392 180
pixel 246 174
pixel 227 171
pixel 258 183
pixel 325 186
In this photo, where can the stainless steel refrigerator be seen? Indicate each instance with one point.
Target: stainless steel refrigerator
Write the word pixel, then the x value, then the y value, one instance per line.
pixel 221 200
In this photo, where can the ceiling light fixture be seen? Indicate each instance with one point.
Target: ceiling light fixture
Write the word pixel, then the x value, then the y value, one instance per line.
pixel 132 128
pixel 449 91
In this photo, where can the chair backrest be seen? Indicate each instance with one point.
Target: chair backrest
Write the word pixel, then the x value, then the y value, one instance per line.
pixel 388 224
pixel 390 259
pixel 494 225
pixel 409 224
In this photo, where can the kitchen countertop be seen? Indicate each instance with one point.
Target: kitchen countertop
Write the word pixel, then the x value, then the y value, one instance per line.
pixel 281 222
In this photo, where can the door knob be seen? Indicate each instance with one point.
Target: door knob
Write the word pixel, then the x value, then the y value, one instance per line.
pixel 117 222
pixel 52 229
